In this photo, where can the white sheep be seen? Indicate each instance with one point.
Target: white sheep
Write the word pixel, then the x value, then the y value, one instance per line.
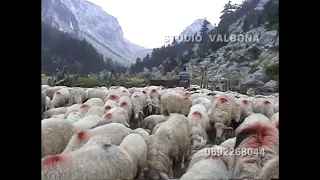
pixel 118 115
pixel 44 86
pixel 96 110
pixel 270 170
pixel 207 103
pixel 96 93
pixel 48 103
pixel 51 90
pixel 229 143
pixel 75 116
pixel 116 132
pixel 71 109
pixel 258 134
pixel 136 147
pixel 143 132
pixel 49 113
pixel 77 96
pixel 56 134
pixel 109 105
pixel 207 165
pixel 175 103
pixel 151 121
pixel 157 127
pixel 199 123
pixel 59 116
pixel 60 98
pixel 149 108
pixel 263 106
pixel 276 106
pixel 43 103
pixel 98 139
pixel 138 100
pixel 275 120
pixel 102 161
pixel 125 102
pixel 155 97
pixel 197 95
pixel 170 142
pixel 89 122
pixel 94 102
pixel 123 92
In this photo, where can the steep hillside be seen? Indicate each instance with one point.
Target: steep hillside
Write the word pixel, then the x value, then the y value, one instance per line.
pixel 86 20
pixel 195 28
pixel 60 49
pixel 249 63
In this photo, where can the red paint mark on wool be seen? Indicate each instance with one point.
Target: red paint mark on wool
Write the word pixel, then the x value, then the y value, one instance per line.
pixel 113 97
pixel 267 102
pixel 259 138
pixel 245 102
pixel 185 97
pixel 58 93
pixel 197 114
pixel 82 135
pixel 108 116
pixel 123 104
pixel 153 91
pixel 223 99
pixel 51 160
pixel 107 108
pixel 84 106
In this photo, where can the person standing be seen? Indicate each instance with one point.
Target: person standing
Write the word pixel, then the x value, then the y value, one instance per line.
pixel 184 78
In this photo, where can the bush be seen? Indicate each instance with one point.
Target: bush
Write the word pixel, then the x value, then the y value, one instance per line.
pixel 272 71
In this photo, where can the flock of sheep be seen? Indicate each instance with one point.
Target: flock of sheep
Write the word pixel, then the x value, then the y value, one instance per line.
pixel 146 133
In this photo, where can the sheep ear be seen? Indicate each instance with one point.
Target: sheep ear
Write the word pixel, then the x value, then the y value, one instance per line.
pixel 164 175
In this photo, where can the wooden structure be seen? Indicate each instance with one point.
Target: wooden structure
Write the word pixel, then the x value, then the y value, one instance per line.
pixel 165 83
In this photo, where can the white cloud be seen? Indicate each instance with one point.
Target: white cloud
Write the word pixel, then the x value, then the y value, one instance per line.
pixel 147 22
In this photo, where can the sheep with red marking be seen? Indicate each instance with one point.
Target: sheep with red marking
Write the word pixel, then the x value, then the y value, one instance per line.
pixel 220 115
pixel 136 147
pixel 84 108
pixel 49 113
pixel 51 90
pixel 89 122
pixel 109 105
pixel 263 106
pixel 170 142
pixel 262 137
pixel 116 132
pixel 77 96
pixel 246 108
pixel 94 102
pixel 117 115
pixel 143 132
pixel 206 165
pixel 199 122
pixel 96 93
pixel 56 134
pixel 102 161
pixel 138 100
pixel 60 98
pixel 151 121
pixel 203 101
pixel 113 95
pixel 96 110
pixel 125 102
pixel 175 103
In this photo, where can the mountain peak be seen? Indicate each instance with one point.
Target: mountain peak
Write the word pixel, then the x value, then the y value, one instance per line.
pixel 195 27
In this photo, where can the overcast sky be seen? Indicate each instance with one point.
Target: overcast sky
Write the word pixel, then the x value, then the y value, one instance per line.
pixel 147 22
